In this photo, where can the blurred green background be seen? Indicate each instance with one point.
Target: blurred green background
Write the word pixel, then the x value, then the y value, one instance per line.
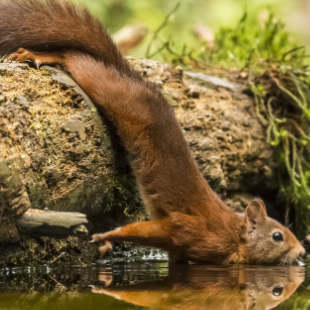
pixel 214 14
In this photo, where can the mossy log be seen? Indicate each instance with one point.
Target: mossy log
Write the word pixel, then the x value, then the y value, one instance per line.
pixel 57 154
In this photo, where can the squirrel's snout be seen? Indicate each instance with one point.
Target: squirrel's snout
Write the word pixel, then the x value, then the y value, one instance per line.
pixel 302 252
pixel 306 243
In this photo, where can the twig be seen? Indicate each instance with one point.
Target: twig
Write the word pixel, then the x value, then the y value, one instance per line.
pixel 161 48
pixel 55 259
pixel 161 26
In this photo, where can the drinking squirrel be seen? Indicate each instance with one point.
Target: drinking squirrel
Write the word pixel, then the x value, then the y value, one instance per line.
pixel 189 220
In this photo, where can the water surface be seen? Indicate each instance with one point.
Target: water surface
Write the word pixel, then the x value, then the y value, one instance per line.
pixel 151 285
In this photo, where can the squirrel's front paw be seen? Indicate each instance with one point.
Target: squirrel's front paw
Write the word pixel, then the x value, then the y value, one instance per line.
pixel 97 238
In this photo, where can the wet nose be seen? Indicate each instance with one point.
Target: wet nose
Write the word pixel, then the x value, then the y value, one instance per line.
pixel 302 252
pixel 306 243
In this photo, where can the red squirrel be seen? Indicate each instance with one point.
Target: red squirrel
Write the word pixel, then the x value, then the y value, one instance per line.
pixel 189 220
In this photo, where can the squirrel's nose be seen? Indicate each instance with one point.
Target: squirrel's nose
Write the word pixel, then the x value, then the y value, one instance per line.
pixel 306 243
pixel 302 252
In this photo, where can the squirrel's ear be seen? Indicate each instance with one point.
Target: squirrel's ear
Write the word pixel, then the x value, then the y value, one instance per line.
pixel 255 211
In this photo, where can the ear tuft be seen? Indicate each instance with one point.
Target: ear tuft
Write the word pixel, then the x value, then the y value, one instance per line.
pixel 256 211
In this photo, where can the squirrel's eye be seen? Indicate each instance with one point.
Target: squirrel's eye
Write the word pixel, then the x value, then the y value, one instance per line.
pixel 277 236
pixel 277 291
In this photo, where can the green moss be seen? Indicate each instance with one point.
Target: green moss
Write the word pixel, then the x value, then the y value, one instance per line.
pixel 277 75
pixel 255 42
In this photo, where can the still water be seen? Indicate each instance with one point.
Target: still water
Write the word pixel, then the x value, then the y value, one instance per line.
pixel 151 285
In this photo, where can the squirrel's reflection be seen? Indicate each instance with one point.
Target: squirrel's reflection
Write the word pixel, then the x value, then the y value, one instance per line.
pixel 202 287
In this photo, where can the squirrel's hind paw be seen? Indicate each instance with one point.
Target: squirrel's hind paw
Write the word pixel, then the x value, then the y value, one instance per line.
pixel 22 55
pixel 107 247
pixel 38 59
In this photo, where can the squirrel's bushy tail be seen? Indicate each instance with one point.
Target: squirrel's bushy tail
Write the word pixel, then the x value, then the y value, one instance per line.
pixel 53 25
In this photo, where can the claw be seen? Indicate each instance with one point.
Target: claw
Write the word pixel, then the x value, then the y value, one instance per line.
pixel 96 238
pixel 99 237
pixel 22 55
pixel 37 63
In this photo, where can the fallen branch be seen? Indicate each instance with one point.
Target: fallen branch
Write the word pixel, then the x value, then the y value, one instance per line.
pixel 52 223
